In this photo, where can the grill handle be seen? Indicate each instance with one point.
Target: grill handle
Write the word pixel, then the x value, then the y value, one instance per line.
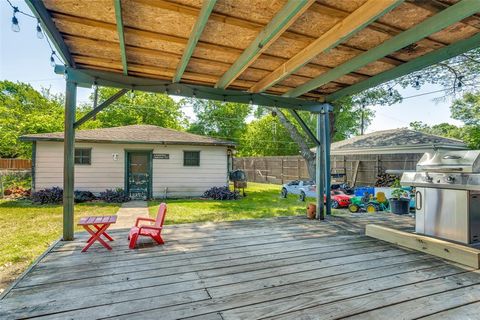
pixel 418 200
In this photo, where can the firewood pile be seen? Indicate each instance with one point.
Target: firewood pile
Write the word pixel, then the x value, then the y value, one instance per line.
pixel 385 180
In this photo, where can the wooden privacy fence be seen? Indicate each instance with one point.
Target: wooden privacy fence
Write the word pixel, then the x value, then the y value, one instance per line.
pixel 361 169
pixel 15 164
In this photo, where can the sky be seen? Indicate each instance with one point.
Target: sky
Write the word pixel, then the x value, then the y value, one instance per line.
pixel 25 58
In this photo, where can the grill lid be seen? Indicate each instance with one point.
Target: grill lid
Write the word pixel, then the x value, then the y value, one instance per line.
pixel 467 161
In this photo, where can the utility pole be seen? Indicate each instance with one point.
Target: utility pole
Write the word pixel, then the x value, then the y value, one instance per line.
pixel 363 120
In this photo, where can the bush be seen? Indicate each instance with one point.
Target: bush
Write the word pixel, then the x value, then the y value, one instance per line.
pixel 220 193
pixel 83 196
pixel 48 196
pixel 114 196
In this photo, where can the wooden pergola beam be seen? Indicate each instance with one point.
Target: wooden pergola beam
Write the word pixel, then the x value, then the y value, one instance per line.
pixel 202 20
pixel 432 25
pixel 409 67
pixel 121 36
pixel 339 33
pixel 279 23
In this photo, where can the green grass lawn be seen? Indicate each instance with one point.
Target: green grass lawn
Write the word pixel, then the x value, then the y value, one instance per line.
pixel 28 230
pixel 262 201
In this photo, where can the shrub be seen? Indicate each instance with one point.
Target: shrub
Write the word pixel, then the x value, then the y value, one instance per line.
pixel 83 196
pixel 220 193
pixel 49 195
pixel 116 196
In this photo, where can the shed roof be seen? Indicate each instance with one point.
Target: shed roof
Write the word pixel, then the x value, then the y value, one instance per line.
pixel 145 134
pixel 316 50
pixel 395 140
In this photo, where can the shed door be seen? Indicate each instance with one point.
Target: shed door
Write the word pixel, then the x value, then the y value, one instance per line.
pixel 138 175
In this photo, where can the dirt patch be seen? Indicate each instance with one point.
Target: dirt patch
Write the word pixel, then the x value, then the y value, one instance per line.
pixel 9 272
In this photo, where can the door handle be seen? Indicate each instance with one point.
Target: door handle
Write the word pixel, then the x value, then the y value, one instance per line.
pixel 418 200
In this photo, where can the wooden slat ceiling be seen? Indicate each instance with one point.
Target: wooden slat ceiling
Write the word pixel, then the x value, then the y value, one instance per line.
pixel 157 31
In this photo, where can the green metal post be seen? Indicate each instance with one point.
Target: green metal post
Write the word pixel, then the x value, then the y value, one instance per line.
pixel 326 169
pixel 68 162
pixel 319 177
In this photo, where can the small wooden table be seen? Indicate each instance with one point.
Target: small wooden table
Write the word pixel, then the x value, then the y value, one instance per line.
pixel 101 223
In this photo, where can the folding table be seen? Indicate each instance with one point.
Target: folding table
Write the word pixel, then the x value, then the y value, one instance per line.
pixel 101 224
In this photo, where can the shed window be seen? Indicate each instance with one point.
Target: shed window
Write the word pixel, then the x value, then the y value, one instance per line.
pixel 83 156
pixel 191 158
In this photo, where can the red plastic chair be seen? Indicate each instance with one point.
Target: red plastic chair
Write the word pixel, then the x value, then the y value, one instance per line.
pixel 153 231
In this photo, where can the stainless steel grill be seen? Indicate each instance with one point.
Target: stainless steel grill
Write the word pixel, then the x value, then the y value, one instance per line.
pixel 447 195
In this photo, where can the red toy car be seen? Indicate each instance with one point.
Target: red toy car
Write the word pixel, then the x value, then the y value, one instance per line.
pixel 339 199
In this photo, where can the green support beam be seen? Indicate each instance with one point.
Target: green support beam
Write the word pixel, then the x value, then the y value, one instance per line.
pixel 88 78
pixel 202 20
pixel 68 161
pixel 99 108
pixel 279 23
pixel 424 61
pixel 441 20
pixel 304 126
pixel 121 36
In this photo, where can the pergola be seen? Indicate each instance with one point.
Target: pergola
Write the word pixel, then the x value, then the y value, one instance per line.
pixel 291 54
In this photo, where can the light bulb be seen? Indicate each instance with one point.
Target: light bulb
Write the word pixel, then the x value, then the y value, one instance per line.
pixel 39 32
pixel 15 25
pixel 52 61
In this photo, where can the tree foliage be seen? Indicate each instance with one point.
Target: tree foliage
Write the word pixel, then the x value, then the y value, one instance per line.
pixel 267 137
pixel 135 108
pixel 465 109
pixel 225 120
pixel 24 110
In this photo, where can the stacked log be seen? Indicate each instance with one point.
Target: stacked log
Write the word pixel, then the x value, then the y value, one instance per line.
pixel 385 180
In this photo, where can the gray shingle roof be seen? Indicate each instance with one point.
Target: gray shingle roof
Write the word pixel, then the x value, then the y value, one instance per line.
pixel 133 134
pixel 397 138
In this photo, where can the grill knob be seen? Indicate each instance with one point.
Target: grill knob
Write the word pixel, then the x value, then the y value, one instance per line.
pixel 450 179
pixel 428 178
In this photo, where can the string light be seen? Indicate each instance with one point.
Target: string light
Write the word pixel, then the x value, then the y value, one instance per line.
pixel 39 30
pixel 417 82
pixel 52 59
pixel 459 84
pixel 15 25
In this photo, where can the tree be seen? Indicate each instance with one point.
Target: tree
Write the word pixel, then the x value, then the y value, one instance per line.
pixel 24 110
pixel 465 109
pixel 136 108
pixel 266 137
pixel 225 120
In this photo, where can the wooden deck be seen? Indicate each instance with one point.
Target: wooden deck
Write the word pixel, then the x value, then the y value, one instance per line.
pixel 283 268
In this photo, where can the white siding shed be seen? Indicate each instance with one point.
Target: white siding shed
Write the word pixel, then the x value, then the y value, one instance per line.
pixel 110 168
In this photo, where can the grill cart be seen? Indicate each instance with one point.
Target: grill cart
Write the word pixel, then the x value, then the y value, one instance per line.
pixel 239 179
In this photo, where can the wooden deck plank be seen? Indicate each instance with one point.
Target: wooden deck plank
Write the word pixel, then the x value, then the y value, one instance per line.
pixel 249 298
pixel 189 265
pixel 278 268
pixel 123 282
pixel 431 304
pixel 352 306
pixel 234 308
pixel 464 312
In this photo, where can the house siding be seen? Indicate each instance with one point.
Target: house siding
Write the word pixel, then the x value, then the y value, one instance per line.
pixel 169 175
